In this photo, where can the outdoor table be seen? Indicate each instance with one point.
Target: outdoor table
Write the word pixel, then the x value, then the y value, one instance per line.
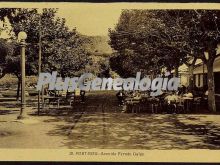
pixel 136 106
pixel 52 98
pixel 187 99
pixel 145 97
pixel 131 102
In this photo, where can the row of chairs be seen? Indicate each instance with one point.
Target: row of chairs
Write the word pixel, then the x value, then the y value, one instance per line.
pixel 57 100
pixel 156 105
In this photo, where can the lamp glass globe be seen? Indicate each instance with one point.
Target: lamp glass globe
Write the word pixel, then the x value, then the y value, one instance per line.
pixel 22 35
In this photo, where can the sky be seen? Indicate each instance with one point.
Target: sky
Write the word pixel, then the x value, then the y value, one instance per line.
pixel 96 18
pixel 91 20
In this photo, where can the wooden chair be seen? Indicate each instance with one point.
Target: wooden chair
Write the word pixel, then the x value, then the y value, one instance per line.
pixel 197 103
pixel 180 106
pixel 52 100
pixel 136 108
pixel 154 105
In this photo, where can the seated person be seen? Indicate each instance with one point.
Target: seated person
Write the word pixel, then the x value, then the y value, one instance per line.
pixel 137 95
pixel 170 102
pixel 171 98
pixel 62 93
pixel 130 94
pixel 145 94
pixel 52 93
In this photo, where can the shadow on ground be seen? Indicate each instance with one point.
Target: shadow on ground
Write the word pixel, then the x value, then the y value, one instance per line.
pixel 99 123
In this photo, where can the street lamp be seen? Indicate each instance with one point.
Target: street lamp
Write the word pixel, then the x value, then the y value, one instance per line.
pixel 39 61
pixel 22 36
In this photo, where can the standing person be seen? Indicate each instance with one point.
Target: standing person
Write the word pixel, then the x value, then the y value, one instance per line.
pixel 77 96
pixel 121 96
pixel 188 99
pixel 82 94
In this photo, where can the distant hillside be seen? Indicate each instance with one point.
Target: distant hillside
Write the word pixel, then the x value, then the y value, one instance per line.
pixel 97 45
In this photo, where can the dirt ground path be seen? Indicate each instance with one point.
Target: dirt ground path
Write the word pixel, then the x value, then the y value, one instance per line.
pixel 99 123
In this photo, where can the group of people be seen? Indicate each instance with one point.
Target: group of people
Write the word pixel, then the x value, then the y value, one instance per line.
pixel 174 99
pixel 121 95
pixel 77 94
pixel 169 100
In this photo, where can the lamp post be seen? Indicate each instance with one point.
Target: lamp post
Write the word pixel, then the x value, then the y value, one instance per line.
pixel 39 64
pixel 22 36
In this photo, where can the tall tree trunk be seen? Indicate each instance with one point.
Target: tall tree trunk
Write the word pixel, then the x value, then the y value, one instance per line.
pixel 18 88
pixel 191 80
pixel 211 86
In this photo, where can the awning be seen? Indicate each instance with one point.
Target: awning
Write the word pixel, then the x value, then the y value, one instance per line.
pixel 184 68
pixel 203 69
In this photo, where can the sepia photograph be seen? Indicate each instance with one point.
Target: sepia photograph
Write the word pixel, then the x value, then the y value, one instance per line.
pixel 109 76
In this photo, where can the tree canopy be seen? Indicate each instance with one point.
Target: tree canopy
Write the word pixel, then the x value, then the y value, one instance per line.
pixel 166 38
pixel 62 48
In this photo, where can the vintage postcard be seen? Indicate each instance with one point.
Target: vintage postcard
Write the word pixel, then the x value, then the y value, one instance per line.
pixel 137 82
